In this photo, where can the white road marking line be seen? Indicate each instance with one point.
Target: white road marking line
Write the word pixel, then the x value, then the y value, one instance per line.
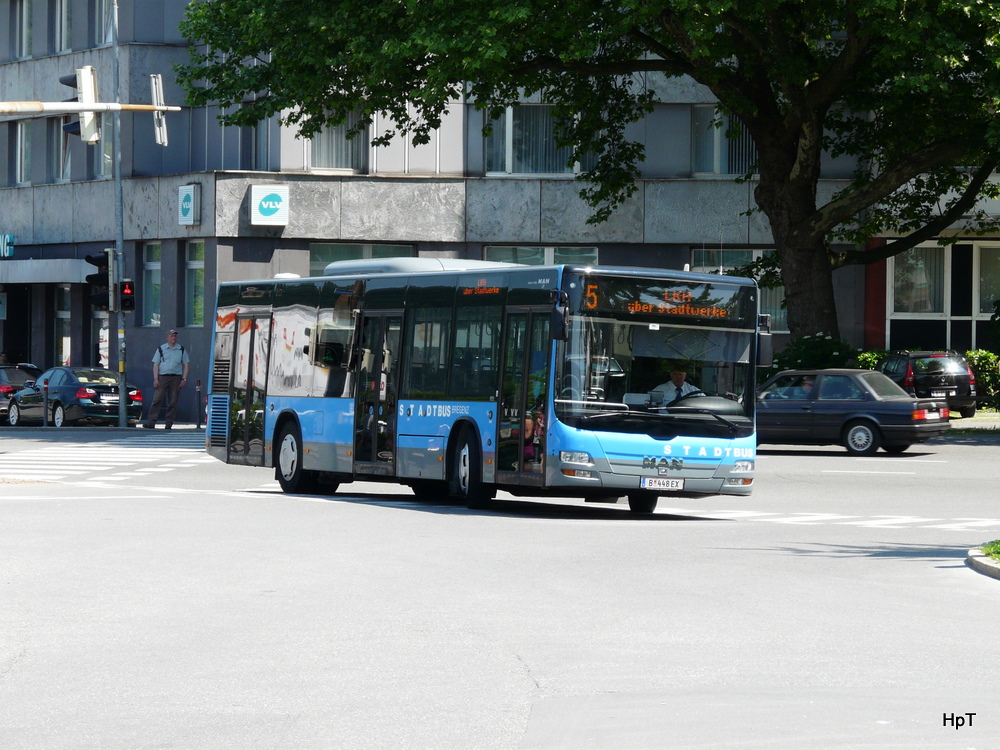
pixel 889 521
pixel 809 519
pixel 906 460
pixel 862 471
pixel 967 524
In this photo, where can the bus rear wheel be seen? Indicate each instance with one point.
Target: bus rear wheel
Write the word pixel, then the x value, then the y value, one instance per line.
pixel 641 502
pixel 466 475
pixel 288 466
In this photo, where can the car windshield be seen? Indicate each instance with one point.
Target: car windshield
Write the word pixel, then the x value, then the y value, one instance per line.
pixel 882 386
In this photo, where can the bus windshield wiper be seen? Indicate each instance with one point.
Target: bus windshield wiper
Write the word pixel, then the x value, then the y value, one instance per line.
pixel 696 410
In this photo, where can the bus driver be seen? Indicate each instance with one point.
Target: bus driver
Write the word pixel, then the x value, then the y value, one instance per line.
pixel 677 387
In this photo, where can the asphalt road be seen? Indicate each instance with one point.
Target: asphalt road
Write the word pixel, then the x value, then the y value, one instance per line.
pixel 153 598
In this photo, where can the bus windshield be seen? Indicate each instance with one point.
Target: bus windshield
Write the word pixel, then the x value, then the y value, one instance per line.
pixel 640 376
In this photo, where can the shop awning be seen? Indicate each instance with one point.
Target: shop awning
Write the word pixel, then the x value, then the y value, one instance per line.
pixel 48 271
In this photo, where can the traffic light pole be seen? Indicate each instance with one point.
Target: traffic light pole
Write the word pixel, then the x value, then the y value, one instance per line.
pixel 119 225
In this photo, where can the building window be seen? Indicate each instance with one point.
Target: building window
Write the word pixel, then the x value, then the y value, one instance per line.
pixel 100 332
pixel 332 149
pixel 22 12
pixel 721 260
pixel 22 152
pixel 103 153
pixel 151 261
pixel 194 284
pixel 523 141
pixel 539 255
pixel 321 253
pixel 989 279
pixel 64 331
pixel 255 146
pixel 918 280
pixel 715 151
pixel 57 148
pixel 59 25
pixel 102 31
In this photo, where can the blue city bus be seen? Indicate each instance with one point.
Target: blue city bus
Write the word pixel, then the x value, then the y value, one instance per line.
pixel 462 378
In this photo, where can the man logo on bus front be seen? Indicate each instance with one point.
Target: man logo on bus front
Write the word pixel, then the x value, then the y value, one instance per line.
pixel 662 465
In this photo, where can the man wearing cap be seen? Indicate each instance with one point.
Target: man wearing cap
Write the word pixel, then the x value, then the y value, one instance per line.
pixel 677 387
pixel 170 372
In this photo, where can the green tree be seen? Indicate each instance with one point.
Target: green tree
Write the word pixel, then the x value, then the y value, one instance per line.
pixel 908 89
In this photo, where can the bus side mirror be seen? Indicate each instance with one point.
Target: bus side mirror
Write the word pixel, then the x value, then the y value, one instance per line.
pixel 558 326
pixel 765 350
pixel 765 347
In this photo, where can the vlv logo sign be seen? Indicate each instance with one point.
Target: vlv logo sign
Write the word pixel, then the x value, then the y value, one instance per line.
pixel 270 205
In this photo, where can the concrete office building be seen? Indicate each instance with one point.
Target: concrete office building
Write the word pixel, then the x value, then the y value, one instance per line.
pixel 229 203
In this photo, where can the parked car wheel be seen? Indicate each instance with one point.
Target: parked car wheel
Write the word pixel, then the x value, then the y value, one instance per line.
pixel 58 416
pixel 968 413
pixel 861 438
pixel 14 414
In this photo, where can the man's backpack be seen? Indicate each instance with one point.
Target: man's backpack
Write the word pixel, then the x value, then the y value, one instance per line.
pixel 160 350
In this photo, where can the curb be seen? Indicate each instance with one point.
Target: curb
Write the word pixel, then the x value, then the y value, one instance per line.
pixel 983 564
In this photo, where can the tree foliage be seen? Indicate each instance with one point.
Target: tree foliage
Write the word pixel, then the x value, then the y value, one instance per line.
pixel 907 89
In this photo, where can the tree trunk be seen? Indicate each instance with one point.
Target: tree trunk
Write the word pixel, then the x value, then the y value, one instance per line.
pixel 806 269
pixel 808 278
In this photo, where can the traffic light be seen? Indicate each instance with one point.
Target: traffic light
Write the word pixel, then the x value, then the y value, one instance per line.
pixel 88 126
pixel 102 281
pixel 126 295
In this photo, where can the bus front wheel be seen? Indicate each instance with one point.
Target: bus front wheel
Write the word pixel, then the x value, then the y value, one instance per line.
pixel 288 467
pixel 641 502
pixel 466 477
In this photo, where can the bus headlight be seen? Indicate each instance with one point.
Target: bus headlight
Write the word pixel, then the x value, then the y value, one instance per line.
pixel 742 467
pixel 574 457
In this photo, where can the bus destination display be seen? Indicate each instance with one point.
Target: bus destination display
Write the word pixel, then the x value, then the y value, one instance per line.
pixel 716 302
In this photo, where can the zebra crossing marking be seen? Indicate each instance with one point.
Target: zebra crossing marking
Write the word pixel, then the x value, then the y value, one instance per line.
pixel 115 459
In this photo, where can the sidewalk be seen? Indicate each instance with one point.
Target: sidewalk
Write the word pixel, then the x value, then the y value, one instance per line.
pixel 983 421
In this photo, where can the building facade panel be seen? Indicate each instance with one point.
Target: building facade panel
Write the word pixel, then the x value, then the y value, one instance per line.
pixel 699 211
pixel 564 216
pixel 403 210
pixel 93 207
pixel 507 210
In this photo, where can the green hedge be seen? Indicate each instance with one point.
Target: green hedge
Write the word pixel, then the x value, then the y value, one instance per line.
pixel 984 364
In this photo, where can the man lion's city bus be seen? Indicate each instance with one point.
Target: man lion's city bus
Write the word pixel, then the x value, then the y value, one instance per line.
pixel 461 378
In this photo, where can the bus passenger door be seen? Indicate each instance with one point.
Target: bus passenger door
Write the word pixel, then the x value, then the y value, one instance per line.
pixel 246 413
pixel 524 380
pixel 375 408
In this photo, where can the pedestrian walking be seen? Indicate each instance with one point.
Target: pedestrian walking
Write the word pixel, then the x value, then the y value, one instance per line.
pixel 170 372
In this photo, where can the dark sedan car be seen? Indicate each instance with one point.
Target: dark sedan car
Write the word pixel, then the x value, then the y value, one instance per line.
pixel 12 379
pixel 75 394
pixel 859 409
